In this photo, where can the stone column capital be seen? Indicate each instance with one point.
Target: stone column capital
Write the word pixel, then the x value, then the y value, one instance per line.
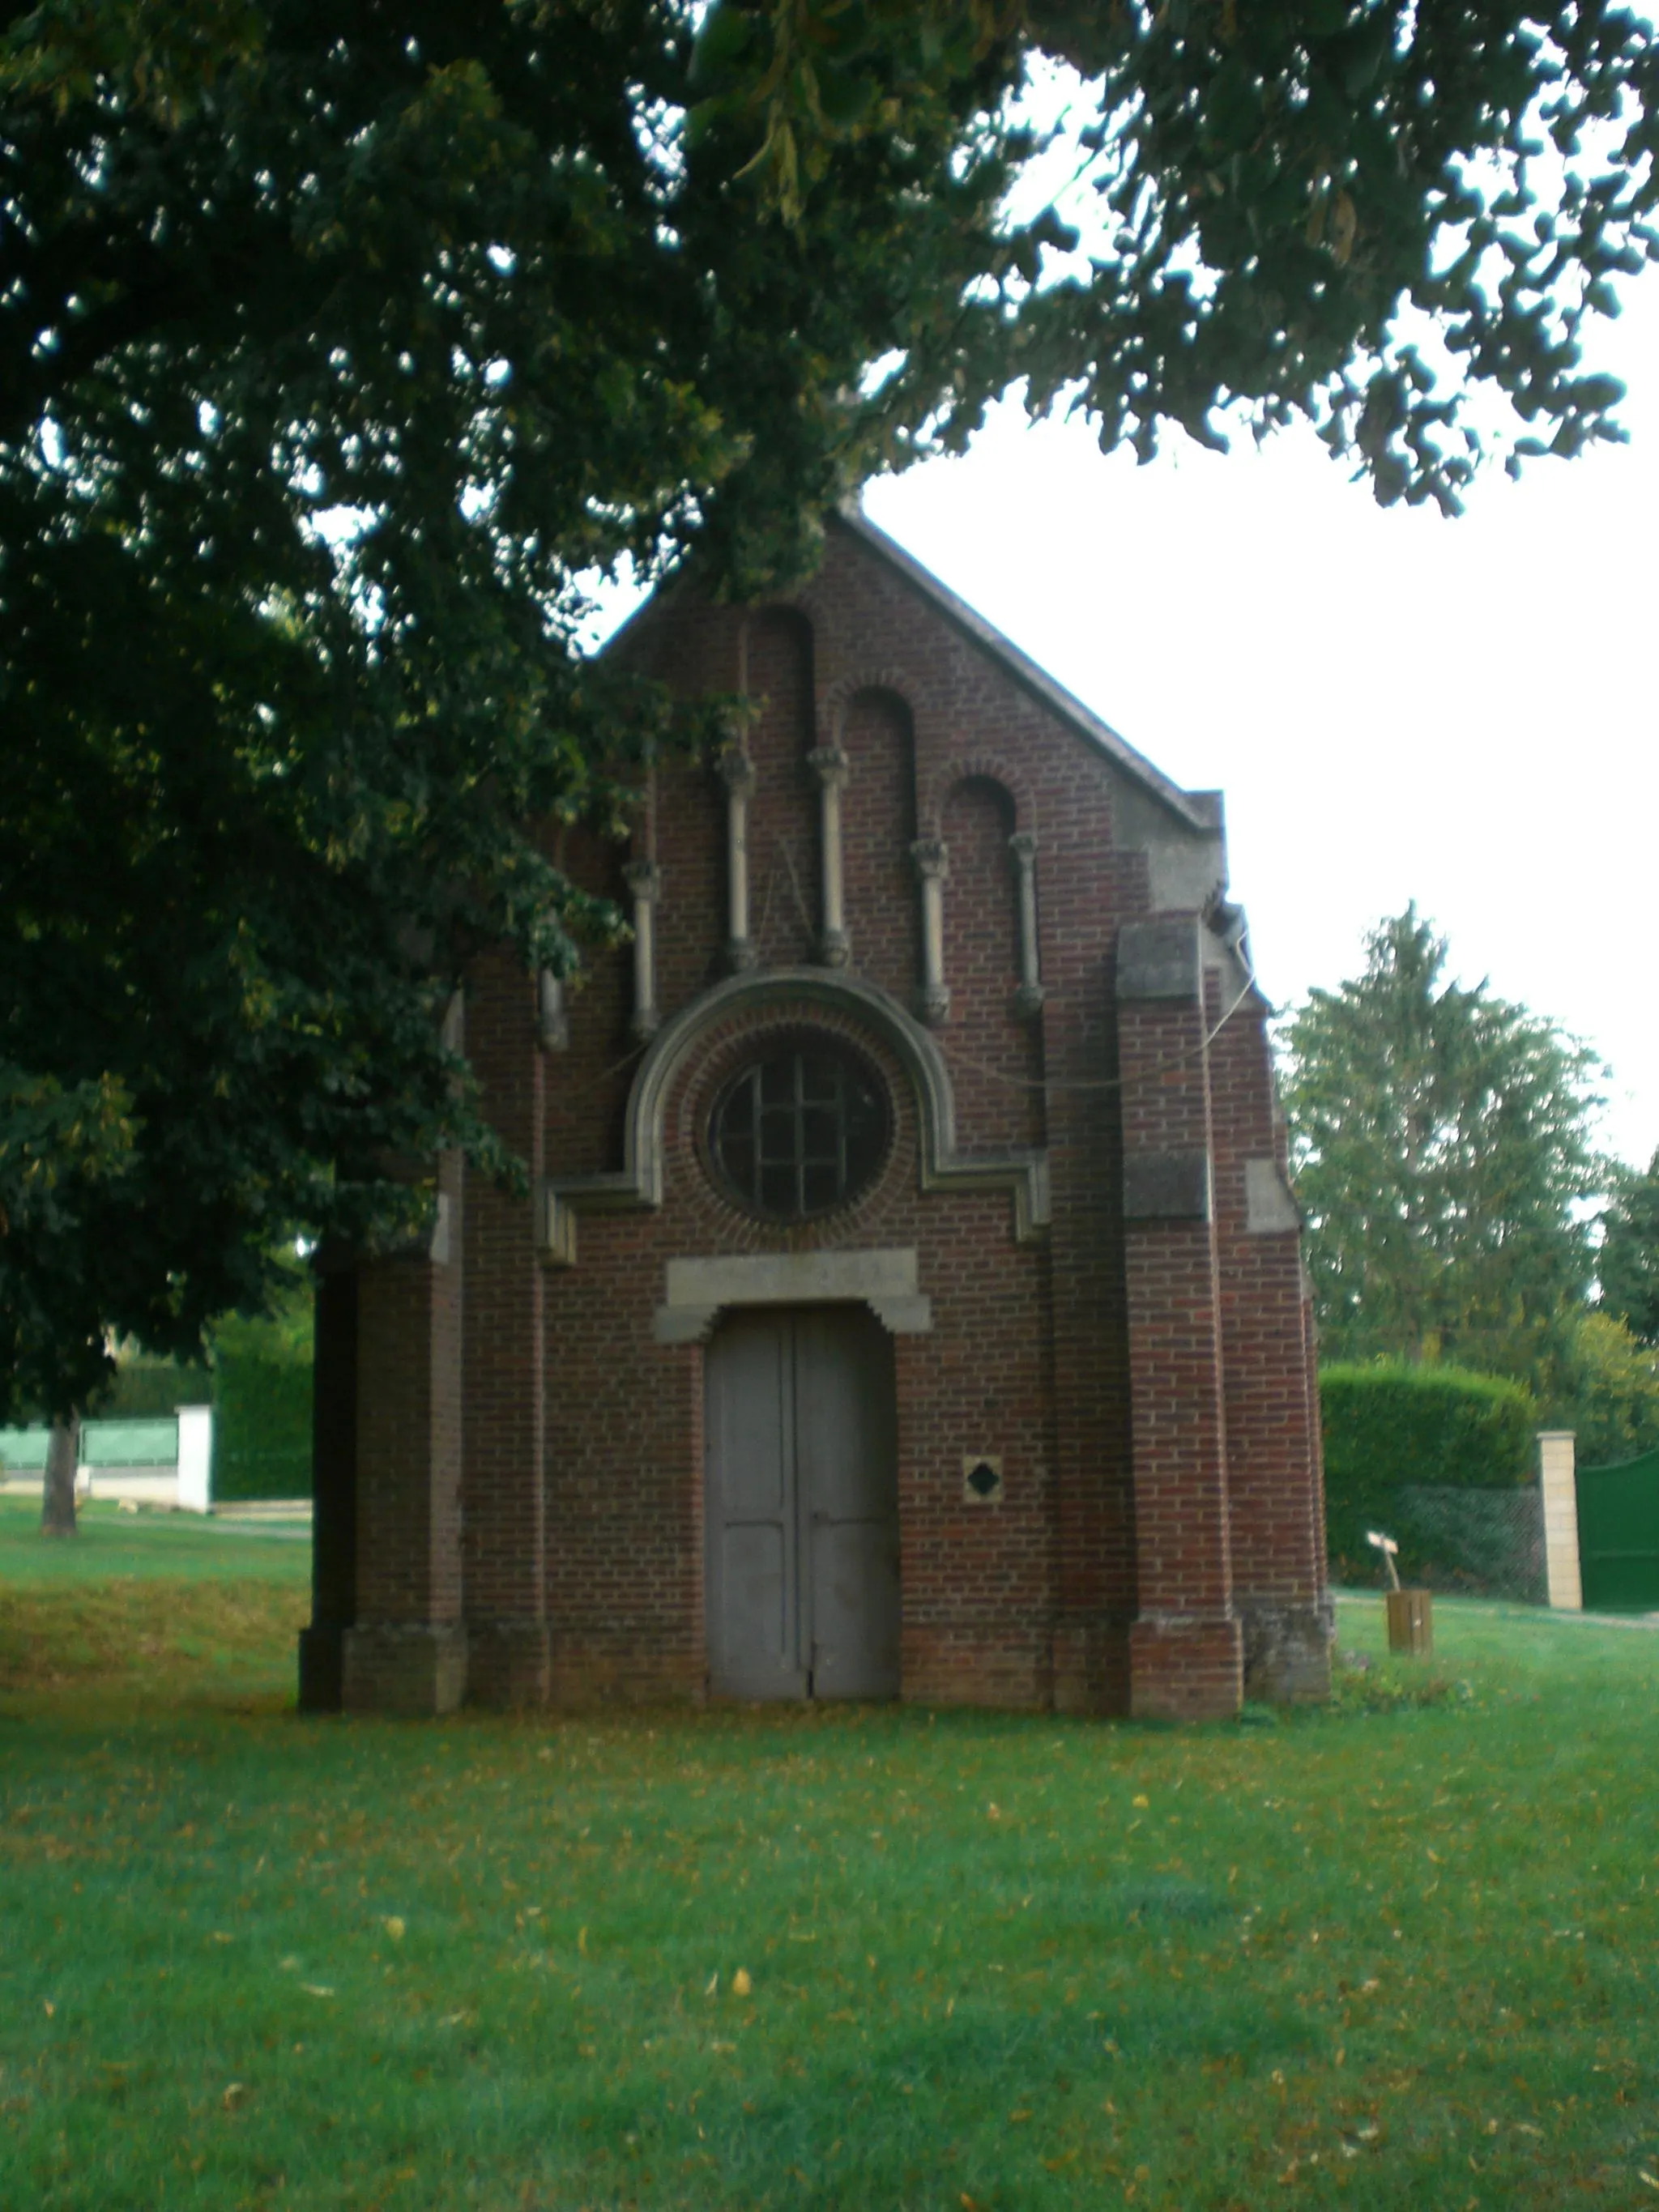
pixel 644 880
pixel 737 772
pixel 829 764
pixel 931 859
pixel 1024 847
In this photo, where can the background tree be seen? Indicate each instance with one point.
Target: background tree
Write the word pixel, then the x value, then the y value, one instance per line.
pixel 1627 1265
pixel 339 344
pixel 1441 1138
pixel 1605 1387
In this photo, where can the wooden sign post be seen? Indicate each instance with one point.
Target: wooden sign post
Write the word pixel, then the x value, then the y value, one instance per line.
pixel 1411 1611
pixel 1410 1621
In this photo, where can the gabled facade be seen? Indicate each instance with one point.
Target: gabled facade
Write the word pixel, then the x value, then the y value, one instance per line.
pixel 910 1303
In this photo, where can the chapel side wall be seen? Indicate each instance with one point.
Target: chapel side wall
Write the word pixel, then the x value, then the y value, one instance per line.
pixel 503 1441
pixel 1274 1490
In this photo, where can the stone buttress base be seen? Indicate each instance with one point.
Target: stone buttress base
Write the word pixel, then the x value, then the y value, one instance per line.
pixel 398 1668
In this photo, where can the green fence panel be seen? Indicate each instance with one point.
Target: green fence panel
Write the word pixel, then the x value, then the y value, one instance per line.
pixel 129 1444
pixel 103 1443
pixel 23 1451
pixel 1619 1536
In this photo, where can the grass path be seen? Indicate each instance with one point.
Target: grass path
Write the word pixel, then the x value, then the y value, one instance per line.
pixel 1402 1953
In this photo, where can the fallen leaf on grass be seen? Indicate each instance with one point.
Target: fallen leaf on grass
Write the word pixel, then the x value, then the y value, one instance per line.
pixel 1648 2178
pixel 394 1928
pixel 1141 1804
pixel 50 2006
pixel 235 2093
pixel 454 2020
pixel 741 1985
pixel 318 1988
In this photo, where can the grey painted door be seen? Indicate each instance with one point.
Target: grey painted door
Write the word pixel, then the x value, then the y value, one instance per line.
pixel 802 1505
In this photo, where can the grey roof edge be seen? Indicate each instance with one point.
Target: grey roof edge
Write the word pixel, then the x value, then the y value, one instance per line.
pixel 1198 809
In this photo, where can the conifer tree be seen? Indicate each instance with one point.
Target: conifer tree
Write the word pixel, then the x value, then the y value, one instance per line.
pixel 1441 1143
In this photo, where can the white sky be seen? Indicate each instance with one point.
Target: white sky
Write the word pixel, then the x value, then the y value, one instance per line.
pixel 1396 705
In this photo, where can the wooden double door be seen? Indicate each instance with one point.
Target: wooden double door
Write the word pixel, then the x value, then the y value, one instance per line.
pixel 801 1505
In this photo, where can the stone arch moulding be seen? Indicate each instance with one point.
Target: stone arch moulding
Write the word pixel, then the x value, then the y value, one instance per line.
pixel 973 768
pixel 840 694
pixel 637 1185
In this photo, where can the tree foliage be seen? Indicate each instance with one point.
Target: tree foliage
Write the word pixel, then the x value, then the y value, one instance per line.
pixel 1605 1389
pixel 1441 1143
pixel 1627 1265
pixel 1283 197
pixel 339 347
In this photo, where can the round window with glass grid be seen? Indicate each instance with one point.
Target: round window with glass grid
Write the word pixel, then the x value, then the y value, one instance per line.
pixel 799 1133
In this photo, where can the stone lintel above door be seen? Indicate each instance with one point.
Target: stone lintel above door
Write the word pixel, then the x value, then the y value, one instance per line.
pixel 697 1290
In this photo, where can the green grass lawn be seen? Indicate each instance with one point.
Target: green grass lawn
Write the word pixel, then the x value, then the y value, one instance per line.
pixel 1402 1952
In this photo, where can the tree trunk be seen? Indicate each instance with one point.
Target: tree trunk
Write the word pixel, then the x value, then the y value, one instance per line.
pixel 58 1504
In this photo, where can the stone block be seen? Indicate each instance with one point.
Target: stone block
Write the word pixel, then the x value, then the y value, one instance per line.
pixel 1186 1667
pixel 1167 1186
pixel 1287 1652
pixel 1159 959
pixel 404 1668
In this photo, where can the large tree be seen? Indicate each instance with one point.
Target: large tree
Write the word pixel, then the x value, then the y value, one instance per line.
pixel 1442 1142
pixel 339 344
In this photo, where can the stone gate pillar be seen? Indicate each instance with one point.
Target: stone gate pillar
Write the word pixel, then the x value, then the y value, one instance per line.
pixel 1185 1648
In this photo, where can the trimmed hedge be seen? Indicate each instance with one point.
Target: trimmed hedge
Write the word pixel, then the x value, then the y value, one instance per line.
pixel 1391 1427
pixel 262 1426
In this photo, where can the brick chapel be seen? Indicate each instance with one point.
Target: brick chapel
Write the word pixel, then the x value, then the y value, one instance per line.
pixel 909 1304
